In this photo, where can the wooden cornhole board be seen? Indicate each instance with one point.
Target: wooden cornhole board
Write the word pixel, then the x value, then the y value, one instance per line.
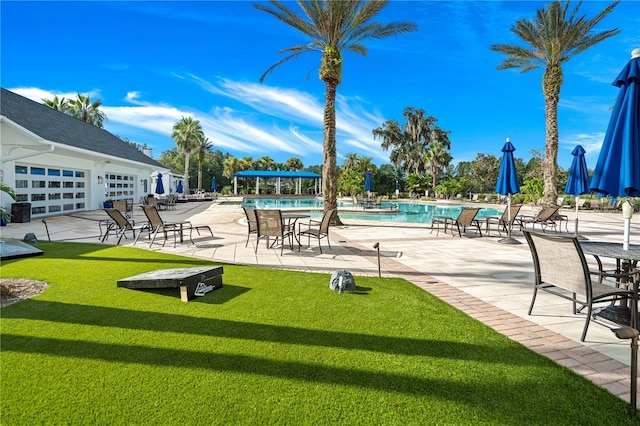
pixel 193 282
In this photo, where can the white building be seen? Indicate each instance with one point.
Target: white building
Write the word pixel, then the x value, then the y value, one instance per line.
pixel 60 164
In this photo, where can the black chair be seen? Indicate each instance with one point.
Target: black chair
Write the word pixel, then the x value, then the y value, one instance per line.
pixel 561 269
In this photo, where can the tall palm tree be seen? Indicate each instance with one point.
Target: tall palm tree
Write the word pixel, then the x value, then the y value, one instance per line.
pixel 201 153
pixel 59 104
pixel 188 135
pixel 333 27
pixel 86 110
pixel 553 37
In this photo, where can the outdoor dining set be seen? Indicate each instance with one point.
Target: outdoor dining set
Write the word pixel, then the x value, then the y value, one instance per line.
pixel 282 226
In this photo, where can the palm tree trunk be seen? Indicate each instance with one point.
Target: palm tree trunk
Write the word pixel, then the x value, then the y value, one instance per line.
pixel 199 175
pixel 186 174
pixel 329 179
pixel 551 83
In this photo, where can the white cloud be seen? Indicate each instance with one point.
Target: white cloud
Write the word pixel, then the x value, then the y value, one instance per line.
pixel 270 120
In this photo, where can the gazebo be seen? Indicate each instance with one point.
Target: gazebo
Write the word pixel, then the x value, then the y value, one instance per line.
pixel 297 176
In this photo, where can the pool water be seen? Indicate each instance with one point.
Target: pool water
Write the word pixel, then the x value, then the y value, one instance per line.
pixel 406 212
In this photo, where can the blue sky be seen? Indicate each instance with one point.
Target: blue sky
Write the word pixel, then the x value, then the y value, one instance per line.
pixel 153 62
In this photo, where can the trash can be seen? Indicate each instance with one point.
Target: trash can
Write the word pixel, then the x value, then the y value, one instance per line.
pixel 20 212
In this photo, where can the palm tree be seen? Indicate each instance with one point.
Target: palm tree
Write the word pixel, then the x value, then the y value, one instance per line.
pixel 59 104
pixel 436 157
pixel 409 141
pixel 293 163
pixel 84 109
pixel 230 166
pixel 201 152
pixel 333 27
pixel 553 38
pixel 351 160
pixel 188 135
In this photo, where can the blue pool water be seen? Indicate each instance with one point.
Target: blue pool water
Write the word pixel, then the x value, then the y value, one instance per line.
pixel 406 212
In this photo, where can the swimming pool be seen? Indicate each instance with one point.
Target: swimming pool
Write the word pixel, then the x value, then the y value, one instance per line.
pixel 405 213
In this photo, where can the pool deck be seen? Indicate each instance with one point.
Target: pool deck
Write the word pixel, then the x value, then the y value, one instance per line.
pixel 489 281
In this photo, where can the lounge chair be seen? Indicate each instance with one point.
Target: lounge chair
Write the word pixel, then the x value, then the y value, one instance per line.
pixel 595 205
pixel 252 222
pixel 561 269
pixel 124 208
pixel 318 229
pixel 156 225
pixel 270 224
pixel 119 224
pixel 466 218
pixel 545 218
pixel 507 219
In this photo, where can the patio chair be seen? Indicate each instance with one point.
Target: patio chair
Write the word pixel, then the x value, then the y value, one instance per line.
pixel 544 218
pixel 561 269
pixel 119 224
pixel 252 222
pixel 270 224
pixel 123 207
pixel 157 225
pixel 507 219
pixel 318 229
pixel 466 218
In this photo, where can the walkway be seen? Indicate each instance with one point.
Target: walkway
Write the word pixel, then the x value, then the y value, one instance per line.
pixel 487 280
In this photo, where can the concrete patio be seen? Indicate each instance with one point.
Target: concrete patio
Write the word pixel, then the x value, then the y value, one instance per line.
pixel 489 281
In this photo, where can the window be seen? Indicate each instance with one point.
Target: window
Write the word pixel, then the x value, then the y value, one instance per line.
pixel 37 171
pixel 67 173
pixel 54 196
pixel 38 210
pixel 21 170
pixel 53 172
pixel 67 184
pixel 38 184
pixel 79 174
pixel 53 209
pixel 21 198
pixel 22 183
pixel 38 197
pixel 54 184
pixel 67 195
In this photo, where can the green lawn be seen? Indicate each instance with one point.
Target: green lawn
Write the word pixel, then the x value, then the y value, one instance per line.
pixel 270 347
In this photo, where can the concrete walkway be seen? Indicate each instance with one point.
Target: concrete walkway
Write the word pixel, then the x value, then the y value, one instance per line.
pixel 489 281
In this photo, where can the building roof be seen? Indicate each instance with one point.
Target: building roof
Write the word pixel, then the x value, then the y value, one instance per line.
pixel 56 126
pixel 276 174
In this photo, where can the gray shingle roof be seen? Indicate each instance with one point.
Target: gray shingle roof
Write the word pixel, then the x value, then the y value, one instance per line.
pixel 59 127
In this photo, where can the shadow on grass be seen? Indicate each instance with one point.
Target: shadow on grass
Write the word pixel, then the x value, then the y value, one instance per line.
pixel 238 363
pixel 91 251
pixel 222 328
pixel 218 296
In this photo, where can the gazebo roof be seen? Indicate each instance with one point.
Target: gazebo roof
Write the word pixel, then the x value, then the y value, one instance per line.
pixel 276 174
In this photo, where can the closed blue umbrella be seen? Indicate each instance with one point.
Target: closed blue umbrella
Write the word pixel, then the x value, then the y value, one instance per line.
pixel 578 181
pixel 214 186
pixel 179 188
pixel 368 184
pixel 159 184
pixel 617 172
pixel 507 184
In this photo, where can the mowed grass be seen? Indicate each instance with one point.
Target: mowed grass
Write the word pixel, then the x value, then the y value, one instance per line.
pixel 270 347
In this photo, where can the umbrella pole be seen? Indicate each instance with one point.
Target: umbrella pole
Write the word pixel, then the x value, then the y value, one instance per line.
pixel 578 236
pixel 509 240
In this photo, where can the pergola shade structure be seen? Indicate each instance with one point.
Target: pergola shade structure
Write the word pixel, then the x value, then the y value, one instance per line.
pixel 295 176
